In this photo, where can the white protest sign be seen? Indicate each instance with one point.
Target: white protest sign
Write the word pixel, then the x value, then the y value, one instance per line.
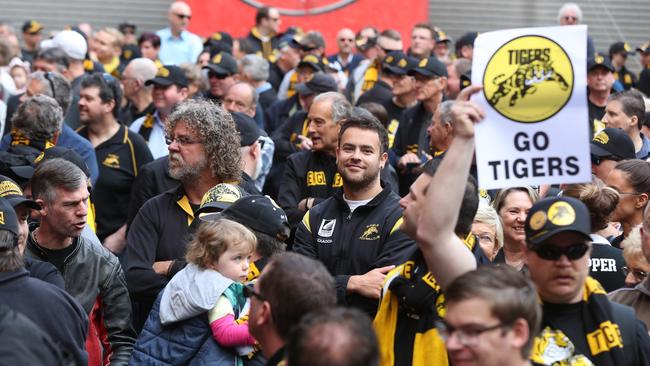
pixel 536 128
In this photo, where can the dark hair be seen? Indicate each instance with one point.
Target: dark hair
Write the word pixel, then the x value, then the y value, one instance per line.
pixel 268 245
pixel 295 285
pixel 599 199
pixel 378 111
pixel 262 13
pixel 511 296
pixel 428 27
pixel 11 259
pixel 109 89
pixel 338 335
pixel 54 55
pixel 366 123
pixel 245 46
pixel 470 203
pixel 391 34
pixel 152 38
pixel 638 174
pixel 56 173
pixel 632 103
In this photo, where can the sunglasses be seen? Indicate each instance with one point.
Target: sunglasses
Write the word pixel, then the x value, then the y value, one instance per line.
pixel 112 84
pixel 596 160
pixel 218 76
pixel 183 16
pixel 249 292
pixel 553 252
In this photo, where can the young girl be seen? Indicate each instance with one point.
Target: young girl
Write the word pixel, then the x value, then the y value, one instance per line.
pixel 201 303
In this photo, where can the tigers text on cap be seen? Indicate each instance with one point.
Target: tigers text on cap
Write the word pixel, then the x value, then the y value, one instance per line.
pixel 429 67
pixel 599 60
pixel 397 62
pixel 168 75
pixel 10 191
pixel 9 222
pixel 613 142
pixel 259 213
pixel 319 83
pixel 32 27
pixel 554 215
pixel 247 128
pixel 72 43
pixel 620 47
pixel 219 197
pixel 222 64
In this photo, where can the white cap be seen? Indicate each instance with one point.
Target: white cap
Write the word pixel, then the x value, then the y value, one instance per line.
pixel 72 43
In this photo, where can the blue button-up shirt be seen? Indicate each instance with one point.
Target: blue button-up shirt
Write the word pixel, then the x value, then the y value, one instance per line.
pixel 156 143
pixel 176 50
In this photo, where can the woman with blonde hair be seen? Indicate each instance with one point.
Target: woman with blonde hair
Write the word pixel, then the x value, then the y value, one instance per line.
pixel 487 228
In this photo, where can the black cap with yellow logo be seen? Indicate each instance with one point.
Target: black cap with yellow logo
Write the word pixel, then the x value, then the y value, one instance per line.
pixel 644 48
pixel 222 64
pixel 397 63
pixel 620 47
pixel 8 222
pixel 613 142
pixel 168 75
pixel 315 62
pixel 429 67
pixel 32 27
pixel 599 60
pixel 10 191
pixel 554 215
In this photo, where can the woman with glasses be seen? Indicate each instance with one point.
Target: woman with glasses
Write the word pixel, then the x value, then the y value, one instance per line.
pixel 487 228
pixel 636 266
pixel 606 264
pixel 631 179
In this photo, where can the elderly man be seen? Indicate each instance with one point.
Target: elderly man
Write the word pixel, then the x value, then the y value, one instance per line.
pixel 92 275
pixel 255 71
pixel 178 45
pixel 204 150
pixel 138 95
pixel 345 57
pixel 571 14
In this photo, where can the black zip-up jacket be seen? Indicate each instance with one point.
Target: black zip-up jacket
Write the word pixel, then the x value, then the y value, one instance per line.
pixel 307 174
pixel 355 243
pixel 94 276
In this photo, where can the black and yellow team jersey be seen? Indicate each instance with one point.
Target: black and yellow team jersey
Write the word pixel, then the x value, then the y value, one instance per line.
pixel 626 78
pixel 286 138
pixel 394 113
pixel 119 159
pixel 412 137
pixel 307 174
pixel 596 114
pixel 644 82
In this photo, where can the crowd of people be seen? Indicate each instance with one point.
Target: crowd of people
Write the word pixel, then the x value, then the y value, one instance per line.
pixel 168 199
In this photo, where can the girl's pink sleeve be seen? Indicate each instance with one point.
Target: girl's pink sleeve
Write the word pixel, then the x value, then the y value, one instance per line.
pixel 230 334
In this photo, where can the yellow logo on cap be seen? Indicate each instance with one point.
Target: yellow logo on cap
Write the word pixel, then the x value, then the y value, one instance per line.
pixel 402 63
pixel 39 157
pixel 389 59
pixel 528 79
pixel 538 220
pixel 217 36
pixel 163 72
pixel 310 58
pixel 2 218
pixel 8 187
pixel 626 47
pixel 602 137
pixel 561 214
pixel 216 59
pixel 423 62
pixel 599 59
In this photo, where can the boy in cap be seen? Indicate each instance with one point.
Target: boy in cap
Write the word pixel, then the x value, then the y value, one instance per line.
pixel 32 36
pixel 618 53
pixel 169 89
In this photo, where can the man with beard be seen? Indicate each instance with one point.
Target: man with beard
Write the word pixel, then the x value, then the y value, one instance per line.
pixel 356 232
pixel 204 150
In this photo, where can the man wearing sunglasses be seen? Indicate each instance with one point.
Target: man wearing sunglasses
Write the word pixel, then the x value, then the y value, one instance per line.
pixel 608 147
pixel 345 57
pixel 222 74
pixel 579 323
pixel 177 44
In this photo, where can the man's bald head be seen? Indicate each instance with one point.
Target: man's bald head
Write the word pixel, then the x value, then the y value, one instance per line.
pixel 345 41
pixel 179 15
pixel 241 97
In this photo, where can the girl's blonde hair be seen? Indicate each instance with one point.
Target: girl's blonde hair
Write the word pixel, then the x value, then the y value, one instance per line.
pixel 213 238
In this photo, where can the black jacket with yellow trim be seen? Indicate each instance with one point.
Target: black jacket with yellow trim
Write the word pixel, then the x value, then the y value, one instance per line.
pixel 355 243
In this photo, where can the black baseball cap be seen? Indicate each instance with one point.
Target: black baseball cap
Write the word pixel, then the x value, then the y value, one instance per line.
pixel 168 75
pixel 397 63
pixel 313 61
pixel 466 80
pixel 620 47
pixel 259 213
pixel 554 215
pixel 218 198
pixel 599 60
pixel 32 27
pixel 441 36
pixel 289 40
pixel 319 83
pixel 9 222
pixel 247 128
pixel 364 44
pixel 613 142
pixel 66 154
pixel 10 191
pixel 222 64
pixel 220 37
pixel 429 67
pixel 466 39
pixel 644 48
pixel 122 27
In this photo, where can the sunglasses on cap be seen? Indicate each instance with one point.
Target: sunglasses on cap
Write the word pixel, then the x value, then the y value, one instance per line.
pixel 596 160
pixel 554 252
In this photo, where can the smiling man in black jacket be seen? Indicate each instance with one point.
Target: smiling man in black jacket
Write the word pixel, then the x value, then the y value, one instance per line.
pixel 356 232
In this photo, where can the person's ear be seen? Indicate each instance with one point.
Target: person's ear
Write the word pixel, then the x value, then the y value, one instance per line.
pixel 641 201
pixel 520 333
pixel 43 211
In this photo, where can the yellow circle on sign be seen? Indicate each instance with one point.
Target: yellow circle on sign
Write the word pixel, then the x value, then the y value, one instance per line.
pixel 529 79
pixel 561 214
pixel 538 220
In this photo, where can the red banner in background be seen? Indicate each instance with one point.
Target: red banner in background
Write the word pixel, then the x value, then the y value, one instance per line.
pixel 327 16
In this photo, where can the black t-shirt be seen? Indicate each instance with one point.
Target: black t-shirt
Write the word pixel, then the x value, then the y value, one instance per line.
pixel 58 256
pixel 568 319
pixel 119 159
pixel 644 82
pixel 596 114
pixel 275 76
pixel 605 266
pixel 394 112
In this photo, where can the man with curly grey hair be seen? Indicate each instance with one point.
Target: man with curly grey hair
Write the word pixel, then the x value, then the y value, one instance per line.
pixel 204 150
